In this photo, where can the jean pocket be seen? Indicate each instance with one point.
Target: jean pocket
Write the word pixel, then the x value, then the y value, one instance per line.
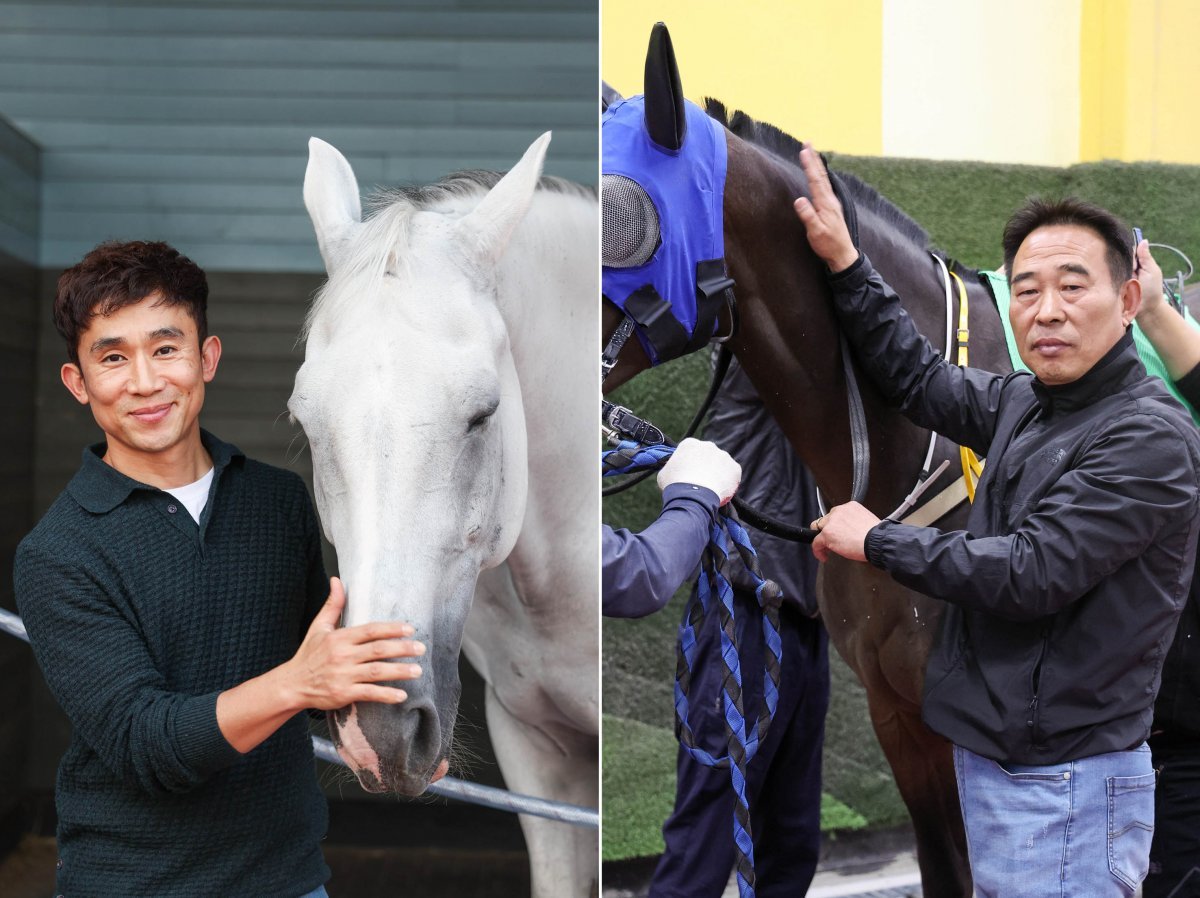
pixel 1130 827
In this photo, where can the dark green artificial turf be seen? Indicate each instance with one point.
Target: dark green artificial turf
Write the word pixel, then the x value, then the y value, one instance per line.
pixel 637 753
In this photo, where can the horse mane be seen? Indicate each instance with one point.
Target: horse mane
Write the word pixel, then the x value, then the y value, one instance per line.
pixel 787 148
pixel 389 215
pixel 466 183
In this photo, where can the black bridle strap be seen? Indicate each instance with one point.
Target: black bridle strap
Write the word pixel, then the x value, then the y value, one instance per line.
pixel 620 336
pixel 719 370
pixel 860 444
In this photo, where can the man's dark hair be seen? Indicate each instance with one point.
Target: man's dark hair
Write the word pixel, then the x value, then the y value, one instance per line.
pixel 115 275
pixel 1039 213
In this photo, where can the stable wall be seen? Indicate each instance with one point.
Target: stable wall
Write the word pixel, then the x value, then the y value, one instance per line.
pixel 189 119
pixel 19 177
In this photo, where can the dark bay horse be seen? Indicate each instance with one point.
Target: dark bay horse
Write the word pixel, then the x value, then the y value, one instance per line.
pixel 787 341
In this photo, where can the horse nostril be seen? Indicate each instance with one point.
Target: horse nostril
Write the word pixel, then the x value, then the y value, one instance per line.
pixel 420 730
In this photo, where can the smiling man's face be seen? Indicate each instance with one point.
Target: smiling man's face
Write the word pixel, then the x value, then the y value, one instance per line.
pixel 143 370
pixel 1066 313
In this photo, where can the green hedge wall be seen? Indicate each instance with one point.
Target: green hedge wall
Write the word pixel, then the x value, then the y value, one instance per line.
pixel 963 205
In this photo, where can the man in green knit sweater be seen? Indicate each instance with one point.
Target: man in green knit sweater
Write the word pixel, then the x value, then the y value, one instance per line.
pixel 176 601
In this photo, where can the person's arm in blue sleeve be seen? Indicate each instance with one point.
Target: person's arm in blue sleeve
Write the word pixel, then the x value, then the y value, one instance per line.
pixel 641 571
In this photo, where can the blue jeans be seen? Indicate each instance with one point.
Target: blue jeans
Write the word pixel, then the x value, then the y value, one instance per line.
pixel 318 892
pixel 1080 828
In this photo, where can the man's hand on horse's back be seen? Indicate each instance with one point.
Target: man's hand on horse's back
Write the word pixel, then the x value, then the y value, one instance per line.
pixel 337 666
pixel 843 531
pixel 822 215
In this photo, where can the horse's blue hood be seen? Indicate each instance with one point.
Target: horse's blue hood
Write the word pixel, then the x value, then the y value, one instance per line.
pixel 675 296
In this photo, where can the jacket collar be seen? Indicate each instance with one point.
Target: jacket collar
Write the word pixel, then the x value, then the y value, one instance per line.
pixel 1117 369
pixel 99 488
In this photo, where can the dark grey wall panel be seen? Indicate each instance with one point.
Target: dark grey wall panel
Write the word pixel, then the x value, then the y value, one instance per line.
pixel 188 121
pixel 19 173
pixel 20 177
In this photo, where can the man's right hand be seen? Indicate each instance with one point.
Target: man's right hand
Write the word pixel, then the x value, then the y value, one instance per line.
pixel 824 222
pixel 1150 276
pixel 335 667
pixel 704 464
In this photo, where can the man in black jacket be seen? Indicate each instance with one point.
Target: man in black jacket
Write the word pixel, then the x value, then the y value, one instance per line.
pixel 1065 589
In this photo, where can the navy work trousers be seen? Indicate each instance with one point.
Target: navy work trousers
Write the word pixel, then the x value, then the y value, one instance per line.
pixel 784 777
pixel 1175 851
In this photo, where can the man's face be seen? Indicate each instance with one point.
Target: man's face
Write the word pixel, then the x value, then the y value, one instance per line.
pixel 143 371
pixel 1066 313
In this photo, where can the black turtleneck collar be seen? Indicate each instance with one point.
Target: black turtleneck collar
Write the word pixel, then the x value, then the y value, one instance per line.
pixel 1117 368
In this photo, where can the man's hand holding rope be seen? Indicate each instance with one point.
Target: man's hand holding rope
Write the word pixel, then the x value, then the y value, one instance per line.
pixel 843 531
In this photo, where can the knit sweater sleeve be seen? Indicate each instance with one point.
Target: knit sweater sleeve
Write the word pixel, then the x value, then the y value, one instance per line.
pixel 87 643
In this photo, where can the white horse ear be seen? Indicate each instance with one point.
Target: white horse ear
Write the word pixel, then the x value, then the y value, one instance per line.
pixel 492 222
pixel 331 196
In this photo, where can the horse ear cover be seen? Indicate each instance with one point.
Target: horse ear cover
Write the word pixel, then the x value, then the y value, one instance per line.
pixel 666 120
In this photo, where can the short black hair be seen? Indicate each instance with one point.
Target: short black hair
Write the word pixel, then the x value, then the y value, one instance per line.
pixel 115 275
pixel 1039 213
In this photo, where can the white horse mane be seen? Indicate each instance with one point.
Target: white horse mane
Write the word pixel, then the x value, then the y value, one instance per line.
pixel 387 225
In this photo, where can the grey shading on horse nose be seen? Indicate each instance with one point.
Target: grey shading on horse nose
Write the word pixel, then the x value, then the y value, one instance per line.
pixel 629 229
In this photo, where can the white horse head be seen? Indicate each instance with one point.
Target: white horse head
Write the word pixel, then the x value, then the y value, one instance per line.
pixel 411 405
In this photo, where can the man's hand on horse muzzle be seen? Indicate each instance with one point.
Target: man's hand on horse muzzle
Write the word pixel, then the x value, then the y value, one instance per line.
pixel 843 531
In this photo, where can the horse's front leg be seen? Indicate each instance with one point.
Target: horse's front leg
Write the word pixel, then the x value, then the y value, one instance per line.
pixel 923 766
pixel 555 764
pixel 884 632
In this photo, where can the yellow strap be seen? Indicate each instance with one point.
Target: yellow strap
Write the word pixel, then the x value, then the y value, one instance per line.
pixel 972 467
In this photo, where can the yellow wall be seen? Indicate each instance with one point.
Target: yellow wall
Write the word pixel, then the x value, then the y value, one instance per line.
pixel 810 68
pixel 972 79
pixel 1051 82
pixel 1140 80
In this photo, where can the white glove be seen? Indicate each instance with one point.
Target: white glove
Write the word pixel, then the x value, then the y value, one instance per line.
pixel 704 464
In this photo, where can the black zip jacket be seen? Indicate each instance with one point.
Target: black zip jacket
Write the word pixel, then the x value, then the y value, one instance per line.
pixel 1065 588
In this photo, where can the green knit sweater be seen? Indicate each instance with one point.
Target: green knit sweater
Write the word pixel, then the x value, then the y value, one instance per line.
pixel 139 618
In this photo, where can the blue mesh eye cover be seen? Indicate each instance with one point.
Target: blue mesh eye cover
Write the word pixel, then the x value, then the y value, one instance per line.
pixel 688 190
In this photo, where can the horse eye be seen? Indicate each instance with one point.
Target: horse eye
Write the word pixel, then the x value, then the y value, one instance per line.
pixel 482 418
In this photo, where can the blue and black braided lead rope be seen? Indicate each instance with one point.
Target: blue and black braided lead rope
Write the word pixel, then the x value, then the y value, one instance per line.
pixel 727 531
pixel 630 457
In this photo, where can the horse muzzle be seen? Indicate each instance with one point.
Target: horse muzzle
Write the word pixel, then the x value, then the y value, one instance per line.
pixel 393 748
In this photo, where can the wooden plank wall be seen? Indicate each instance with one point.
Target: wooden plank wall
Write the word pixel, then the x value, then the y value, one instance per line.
pixel 189 120
pixel 19 173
